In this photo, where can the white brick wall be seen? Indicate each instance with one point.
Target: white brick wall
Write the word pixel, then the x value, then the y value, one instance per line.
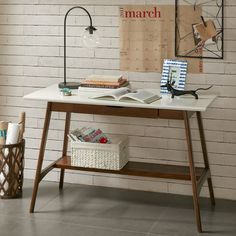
pixel 31 57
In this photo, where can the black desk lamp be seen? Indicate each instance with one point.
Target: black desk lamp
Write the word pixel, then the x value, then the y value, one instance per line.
pixel 91 41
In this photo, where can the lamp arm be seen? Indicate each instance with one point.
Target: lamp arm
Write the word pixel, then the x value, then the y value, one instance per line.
pixel 91 25
pixel 90 18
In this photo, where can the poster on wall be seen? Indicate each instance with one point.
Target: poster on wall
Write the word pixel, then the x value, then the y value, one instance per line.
pixel 200 36
pixel 147 37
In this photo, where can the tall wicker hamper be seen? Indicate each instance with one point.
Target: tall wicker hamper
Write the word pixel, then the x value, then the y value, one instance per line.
pixel 11 169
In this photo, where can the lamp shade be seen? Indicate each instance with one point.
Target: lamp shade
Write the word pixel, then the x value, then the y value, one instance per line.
pixel 91 40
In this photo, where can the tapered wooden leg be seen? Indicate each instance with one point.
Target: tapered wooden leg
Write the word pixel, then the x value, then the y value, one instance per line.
pixel 205 156
pixel 65 146
pixel 192 172
pixel 41 156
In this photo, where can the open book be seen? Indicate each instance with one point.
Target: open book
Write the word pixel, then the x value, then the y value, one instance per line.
pixel 125 95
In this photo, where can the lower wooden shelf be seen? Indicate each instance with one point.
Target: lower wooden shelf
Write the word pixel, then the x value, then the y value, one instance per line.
pixel 139 169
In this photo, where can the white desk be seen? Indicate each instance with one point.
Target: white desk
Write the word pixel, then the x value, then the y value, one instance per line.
pixel 180 108
pixel 186 103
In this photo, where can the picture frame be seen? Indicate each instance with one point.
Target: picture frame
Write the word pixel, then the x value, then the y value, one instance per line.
pixel 174 71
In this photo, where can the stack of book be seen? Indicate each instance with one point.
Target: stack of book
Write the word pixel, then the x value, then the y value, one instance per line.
pixel 88 135
pixel 103 82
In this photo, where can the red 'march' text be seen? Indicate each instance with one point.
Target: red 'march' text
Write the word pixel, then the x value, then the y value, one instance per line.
pixel 143 14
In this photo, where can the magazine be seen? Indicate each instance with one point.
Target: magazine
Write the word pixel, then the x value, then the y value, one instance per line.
pixel 126 95
pixel 88 135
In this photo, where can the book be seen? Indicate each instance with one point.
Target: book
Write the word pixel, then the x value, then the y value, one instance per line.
pixel 126 95
pixel 95 90
pixel 103 82
pixel 105 85
pixel 103 78
pixel 109 83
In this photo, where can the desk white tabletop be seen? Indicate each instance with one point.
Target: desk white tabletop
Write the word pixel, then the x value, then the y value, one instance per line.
pixel 186 103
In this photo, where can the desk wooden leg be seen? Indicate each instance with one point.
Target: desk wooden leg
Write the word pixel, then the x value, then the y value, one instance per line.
pixel 192 172
pixel 205 156
pixel 65 146
pixel 41 156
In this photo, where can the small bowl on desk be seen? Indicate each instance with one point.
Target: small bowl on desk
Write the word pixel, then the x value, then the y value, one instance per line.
pixel 66 92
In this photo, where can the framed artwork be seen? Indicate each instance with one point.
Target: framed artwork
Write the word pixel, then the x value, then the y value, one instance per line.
pixel 199 28
pixel 175 72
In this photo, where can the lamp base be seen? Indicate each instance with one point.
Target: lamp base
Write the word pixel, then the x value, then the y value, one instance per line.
pixel 70 85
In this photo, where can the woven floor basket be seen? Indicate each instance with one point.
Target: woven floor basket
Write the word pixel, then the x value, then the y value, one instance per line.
pixel 102 156
pixel 11 170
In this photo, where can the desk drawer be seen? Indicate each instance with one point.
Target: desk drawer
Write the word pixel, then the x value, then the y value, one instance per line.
pixel 105 110
pixel 172 114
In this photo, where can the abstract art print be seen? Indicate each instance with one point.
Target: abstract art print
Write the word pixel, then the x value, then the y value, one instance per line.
pixel 199 28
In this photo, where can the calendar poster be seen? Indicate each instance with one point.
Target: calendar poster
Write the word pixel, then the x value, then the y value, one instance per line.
pixel 147 37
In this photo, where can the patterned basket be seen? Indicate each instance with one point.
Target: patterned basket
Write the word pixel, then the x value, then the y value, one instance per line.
pixel 102 156
pixel 11 169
